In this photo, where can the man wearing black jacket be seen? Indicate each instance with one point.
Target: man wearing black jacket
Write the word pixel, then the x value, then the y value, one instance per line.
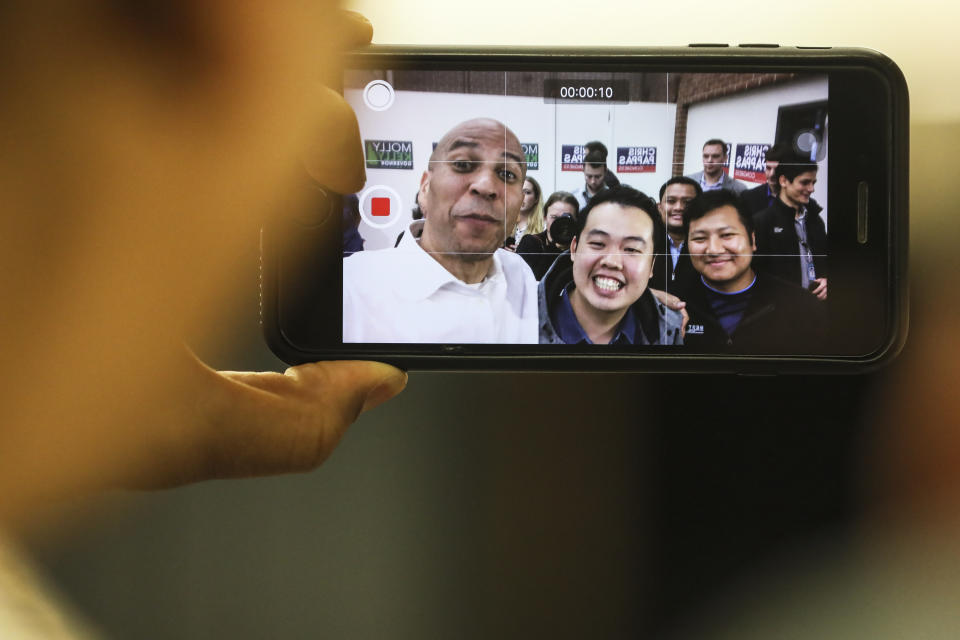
pixel 791 235
pixel 733 306
pixel 762 196
pixel 673 271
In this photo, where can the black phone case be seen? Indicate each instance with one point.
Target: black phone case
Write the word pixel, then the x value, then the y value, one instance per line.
pixel 274 285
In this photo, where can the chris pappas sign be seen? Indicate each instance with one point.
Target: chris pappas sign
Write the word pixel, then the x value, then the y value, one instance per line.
pixel 571 157
pixel 749 162
pixel 636 159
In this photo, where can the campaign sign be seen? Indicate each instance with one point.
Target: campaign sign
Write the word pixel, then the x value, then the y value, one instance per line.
pixel 636 159
pixel 389 154
pixel 531 153
pixel 571 157
pixel 749 162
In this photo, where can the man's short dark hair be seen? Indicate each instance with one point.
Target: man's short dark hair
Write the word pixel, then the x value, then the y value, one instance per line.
pixel 713 141
pixel 595 159
pixel 680 180
pixel 595 146
pixel 626 196
pixel 793 165
pixel 713 200
pixel 776 153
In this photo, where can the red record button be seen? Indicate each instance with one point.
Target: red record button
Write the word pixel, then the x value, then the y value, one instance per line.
pixel 380 206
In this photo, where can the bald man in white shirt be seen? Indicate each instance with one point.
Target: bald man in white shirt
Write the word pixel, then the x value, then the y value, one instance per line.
pixel 456 284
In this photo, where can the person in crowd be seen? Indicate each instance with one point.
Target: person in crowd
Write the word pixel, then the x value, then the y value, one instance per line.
pixel 352 240
pixel 594 173
pixel 762 196
pixel 597 293
pixel 732 305
pixel 456 284
pixel 791 234
pixel 530 219
pixel 713 176
pixel 674 270
pixel 416 225
pixel 609 178
pixel 541 249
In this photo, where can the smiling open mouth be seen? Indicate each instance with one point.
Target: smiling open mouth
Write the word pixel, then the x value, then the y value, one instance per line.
pixel 607 284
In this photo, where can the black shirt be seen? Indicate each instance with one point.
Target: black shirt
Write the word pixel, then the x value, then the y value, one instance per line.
pixel 538 252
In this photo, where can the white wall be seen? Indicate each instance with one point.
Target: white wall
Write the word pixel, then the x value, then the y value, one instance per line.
pixel 751 117
pixel 423 117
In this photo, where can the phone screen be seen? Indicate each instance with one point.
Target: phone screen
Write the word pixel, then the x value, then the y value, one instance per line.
pixel 590 210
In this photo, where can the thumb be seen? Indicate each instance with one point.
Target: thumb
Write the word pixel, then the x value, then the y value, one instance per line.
pixel 267 423
pixel 356 386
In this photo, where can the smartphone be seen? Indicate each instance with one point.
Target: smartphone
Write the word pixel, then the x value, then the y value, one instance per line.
pixel 726 177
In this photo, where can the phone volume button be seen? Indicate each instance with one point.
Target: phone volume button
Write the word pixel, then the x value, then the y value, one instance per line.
pixel 863 196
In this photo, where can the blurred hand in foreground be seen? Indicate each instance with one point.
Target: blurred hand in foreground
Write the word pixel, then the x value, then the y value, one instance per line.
pixel 144 144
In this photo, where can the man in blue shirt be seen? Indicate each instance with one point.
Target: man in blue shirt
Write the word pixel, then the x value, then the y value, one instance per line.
pixel 597 292
pixel 713 177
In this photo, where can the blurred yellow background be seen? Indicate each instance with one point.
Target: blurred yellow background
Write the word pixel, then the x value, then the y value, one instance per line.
pixel 920 36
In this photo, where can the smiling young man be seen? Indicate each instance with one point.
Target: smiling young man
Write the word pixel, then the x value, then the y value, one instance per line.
pixel 791 234
pixel 732 304
pixel 597 293
pixel 455 284
pixel 673 271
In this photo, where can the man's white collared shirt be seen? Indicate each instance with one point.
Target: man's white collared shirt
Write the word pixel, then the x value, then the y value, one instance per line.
pixel 404 295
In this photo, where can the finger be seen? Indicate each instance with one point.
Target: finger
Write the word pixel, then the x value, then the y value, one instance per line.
pixel 358 29
pixel 674 302
pixel 280 423
pixel 335 156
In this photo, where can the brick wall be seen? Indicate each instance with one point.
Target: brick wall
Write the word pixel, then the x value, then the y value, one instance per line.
pixel 692 88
